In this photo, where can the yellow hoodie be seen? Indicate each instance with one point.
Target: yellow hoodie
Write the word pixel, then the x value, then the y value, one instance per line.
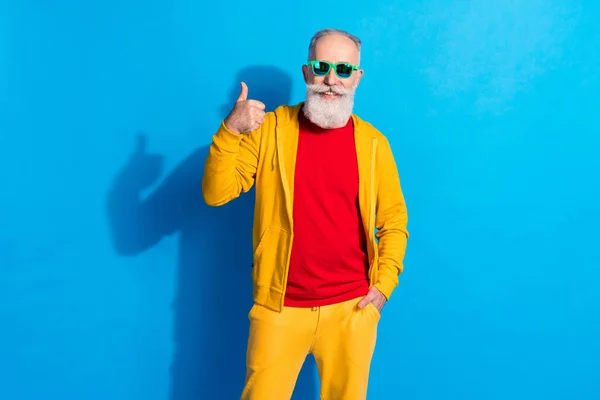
pixel 266 157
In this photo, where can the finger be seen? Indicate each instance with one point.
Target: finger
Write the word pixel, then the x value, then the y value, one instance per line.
pixel 365 300
pixel 257 104
pixel 258 115
pixel 243 93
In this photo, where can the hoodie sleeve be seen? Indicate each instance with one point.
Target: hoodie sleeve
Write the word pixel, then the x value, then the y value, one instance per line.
pixel 231 165
pixel 390 221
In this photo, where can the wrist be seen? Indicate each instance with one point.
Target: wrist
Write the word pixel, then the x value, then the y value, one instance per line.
pixel 227 125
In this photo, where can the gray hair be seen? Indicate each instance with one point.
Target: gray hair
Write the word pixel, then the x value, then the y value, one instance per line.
pixel 329 31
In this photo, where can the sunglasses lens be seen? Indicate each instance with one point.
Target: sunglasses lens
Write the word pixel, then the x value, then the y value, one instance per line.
pixel 320 68
pixel 344 70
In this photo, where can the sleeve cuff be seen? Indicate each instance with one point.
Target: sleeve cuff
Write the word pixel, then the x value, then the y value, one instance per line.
pixel 386 285
pixel 226 139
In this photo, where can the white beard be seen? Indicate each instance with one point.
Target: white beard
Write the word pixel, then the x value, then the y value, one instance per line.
pixel 328 113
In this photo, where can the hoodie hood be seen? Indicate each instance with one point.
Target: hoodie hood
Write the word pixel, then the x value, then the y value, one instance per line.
pixel 286 114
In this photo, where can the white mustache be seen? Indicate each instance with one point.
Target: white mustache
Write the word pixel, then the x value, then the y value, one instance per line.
pixel 337 89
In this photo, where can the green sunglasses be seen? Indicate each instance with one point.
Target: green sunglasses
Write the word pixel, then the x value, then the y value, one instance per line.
pixel 322 68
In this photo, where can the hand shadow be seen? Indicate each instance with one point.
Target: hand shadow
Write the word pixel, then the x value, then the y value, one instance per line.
pixel 214 292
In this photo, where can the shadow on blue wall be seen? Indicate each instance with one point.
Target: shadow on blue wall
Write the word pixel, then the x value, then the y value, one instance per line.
pixel 213 294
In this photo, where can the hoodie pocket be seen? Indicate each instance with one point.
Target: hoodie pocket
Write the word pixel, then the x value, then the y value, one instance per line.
pixel 270 258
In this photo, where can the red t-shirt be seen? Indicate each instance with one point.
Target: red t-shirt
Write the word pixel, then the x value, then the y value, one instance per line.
pixel 329 262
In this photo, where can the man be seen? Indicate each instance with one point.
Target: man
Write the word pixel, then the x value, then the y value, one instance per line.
pixel 330 231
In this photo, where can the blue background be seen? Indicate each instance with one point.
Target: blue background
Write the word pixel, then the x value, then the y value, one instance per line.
pixel 117 282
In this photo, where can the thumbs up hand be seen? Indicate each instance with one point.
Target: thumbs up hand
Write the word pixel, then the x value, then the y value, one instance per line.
pixel 247 115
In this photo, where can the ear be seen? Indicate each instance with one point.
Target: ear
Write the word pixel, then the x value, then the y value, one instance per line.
pixel 305 72
pixel 359 75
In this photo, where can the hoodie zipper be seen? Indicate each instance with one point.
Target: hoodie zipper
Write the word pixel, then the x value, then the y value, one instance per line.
pixel 372 203
pixel 289 210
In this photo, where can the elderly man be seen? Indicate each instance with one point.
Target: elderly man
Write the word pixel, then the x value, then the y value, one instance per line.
pixel 330 230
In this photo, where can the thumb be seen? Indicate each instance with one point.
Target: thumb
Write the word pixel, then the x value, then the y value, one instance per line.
pixel 365 300
pixel 243 93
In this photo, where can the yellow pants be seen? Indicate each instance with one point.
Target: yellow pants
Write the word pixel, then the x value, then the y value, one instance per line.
pixel 341 338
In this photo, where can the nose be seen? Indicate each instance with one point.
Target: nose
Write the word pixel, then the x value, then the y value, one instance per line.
pixel 331 78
